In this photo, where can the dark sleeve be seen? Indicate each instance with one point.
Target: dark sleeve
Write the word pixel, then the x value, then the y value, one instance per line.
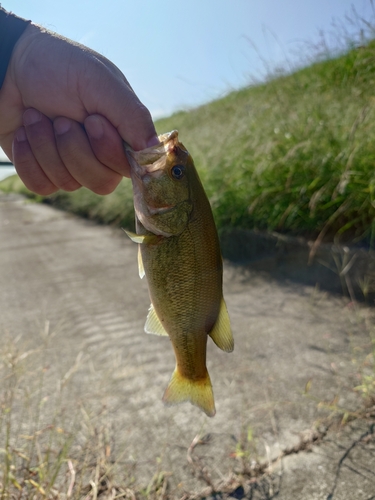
pixel 11 28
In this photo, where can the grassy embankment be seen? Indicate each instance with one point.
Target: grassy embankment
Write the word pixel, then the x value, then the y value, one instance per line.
pixel 295 154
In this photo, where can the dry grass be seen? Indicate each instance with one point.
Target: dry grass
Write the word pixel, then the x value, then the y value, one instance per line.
pixel 56 447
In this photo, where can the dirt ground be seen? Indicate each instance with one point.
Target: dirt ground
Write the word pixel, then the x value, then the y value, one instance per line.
pixel 77 283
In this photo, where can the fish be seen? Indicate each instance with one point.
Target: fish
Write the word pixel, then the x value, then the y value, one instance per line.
pixel 179 253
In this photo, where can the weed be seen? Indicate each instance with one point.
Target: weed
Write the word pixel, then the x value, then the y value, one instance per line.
pixel 34 451
pixel 52 446
pixel 367 375
pixel 363 382
pixel 294 154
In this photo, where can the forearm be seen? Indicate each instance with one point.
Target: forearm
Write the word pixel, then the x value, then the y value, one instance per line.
pixel 11 28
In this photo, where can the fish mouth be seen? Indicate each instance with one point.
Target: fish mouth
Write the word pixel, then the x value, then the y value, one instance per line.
pixel 151 160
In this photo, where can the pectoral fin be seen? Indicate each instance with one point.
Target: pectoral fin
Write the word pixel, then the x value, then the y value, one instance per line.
pixel 221 332
pixel 153 324
pixel 142 238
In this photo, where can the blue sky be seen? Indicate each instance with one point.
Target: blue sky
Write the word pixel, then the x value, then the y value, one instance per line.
pixel 178 54
pixel 181 53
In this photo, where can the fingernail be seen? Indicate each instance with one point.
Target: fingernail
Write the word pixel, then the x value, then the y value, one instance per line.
pixel 61 125
pixel 94 127
pixel 21 135
pixel 31 116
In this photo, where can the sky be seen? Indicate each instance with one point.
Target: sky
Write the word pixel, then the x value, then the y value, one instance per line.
pixel 178 54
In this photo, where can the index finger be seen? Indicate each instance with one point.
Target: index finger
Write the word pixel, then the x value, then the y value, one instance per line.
pixel 107 144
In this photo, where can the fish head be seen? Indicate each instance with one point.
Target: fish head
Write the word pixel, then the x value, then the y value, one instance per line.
pixel 160 177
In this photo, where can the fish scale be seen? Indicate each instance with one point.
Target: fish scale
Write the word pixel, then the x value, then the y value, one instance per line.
pixel 180 256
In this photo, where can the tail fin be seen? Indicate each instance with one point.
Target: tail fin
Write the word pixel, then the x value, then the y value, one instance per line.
pixel 198 392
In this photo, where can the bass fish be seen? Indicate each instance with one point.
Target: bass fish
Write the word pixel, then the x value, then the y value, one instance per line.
pixel 180 255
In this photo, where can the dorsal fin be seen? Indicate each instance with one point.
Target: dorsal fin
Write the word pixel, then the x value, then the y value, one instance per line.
pixel 153 324
pixel 221 332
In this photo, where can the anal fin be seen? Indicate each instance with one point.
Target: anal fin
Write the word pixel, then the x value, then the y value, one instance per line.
pixel 221 332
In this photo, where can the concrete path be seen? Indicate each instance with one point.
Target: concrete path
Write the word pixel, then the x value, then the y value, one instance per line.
pixel 81 280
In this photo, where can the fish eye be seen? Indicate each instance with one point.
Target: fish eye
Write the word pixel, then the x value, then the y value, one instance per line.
pixel 178 171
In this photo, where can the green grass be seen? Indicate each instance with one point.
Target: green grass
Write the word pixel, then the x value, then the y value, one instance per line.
pixel 295 154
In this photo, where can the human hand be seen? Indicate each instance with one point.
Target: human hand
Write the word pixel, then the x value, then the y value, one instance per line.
pixel 64 114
